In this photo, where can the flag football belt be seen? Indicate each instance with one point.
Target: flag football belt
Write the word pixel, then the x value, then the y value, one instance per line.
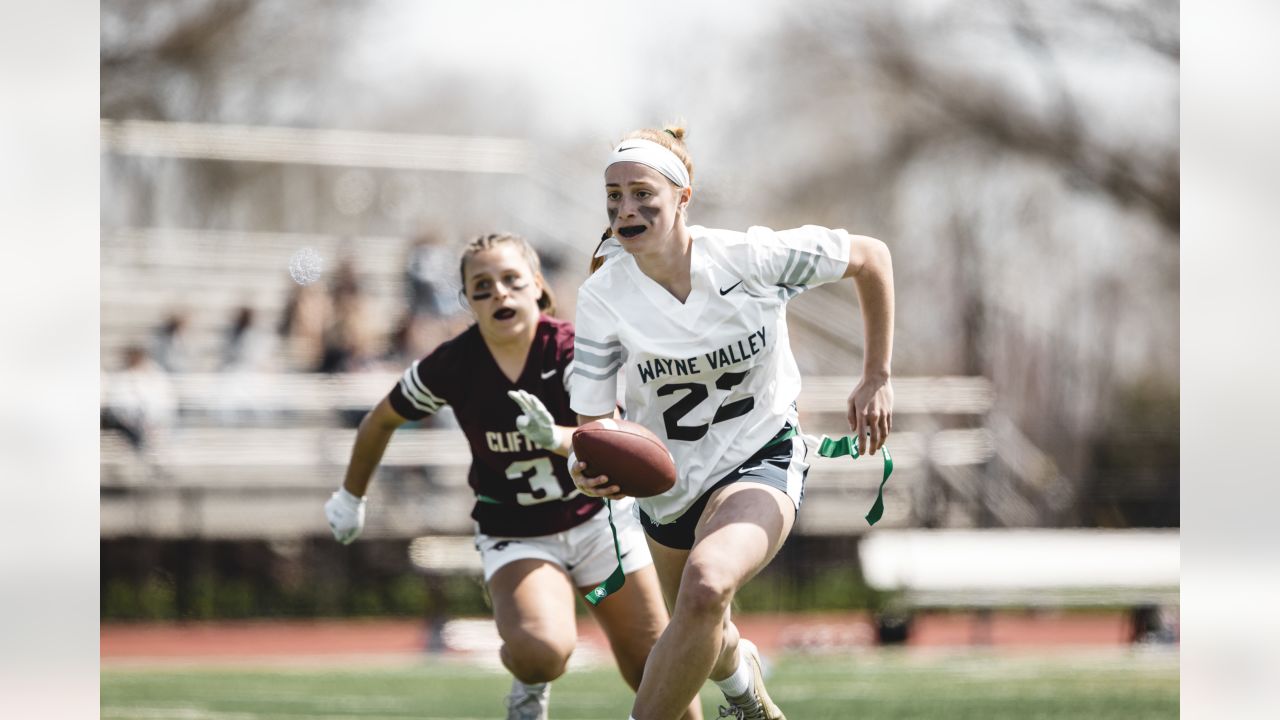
pixel 616 579
pixel 839 447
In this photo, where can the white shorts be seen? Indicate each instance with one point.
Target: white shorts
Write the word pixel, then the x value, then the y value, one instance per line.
pixel 585 552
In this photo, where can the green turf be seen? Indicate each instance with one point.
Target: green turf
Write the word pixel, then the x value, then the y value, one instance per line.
pixel 956 685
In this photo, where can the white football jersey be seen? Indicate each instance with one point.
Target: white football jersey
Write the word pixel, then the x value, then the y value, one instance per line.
pixel 714 376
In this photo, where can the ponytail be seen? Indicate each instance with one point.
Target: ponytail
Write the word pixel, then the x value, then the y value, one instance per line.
pixel 596 258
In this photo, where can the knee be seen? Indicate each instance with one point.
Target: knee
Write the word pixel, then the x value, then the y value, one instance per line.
pixel 705 592
pixel 534 659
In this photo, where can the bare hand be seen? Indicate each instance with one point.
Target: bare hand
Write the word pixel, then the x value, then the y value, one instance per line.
pixel 871 413
pixel 594 486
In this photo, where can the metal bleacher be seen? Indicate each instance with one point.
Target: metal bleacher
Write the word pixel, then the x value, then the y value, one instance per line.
pixel 148 272
pixel 269 479
pixel 254 456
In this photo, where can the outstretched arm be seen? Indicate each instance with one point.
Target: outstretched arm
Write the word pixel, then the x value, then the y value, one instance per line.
pixel 371 442
pixel 345 508
pixel 871 402
pixel 537 425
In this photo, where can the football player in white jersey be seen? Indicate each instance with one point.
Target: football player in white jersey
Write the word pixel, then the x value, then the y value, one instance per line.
pixel 692 321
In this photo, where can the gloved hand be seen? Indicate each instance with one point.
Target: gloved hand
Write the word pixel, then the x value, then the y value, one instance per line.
pixel 536 423
pixel 346 515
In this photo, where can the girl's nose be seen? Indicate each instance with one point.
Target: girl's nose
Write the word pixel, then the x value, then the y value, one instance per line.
pixel 626 207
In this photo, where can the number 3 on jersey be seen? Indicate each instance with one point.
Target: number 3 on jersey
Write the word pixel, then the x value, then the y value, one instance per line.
pixel 697 393
pixel 542 480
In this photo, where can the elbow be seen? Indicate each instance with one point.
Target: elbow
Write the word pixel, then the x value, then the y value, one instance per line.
pixel 870 257
pixel 878 256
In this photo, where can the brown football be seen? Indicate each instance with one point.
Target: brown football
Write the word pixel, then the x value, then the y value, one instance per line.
pixel 633 457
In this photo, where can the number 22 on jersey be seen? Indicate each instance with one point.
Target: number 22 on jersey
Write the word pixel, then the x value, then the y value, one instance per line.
pixel 698 392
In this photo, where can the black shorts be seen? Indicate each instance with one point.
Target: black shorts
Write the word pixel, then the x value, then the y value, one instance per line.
pixel 771 465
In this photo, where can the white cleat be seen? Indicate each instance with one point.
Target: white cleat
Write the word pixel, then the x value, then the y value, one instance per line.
pixel 755 703
pixel 528 702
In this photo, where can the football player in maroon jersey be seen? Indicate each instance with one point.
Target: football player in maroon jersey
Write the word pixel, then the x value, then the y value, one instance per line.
pixel 539 537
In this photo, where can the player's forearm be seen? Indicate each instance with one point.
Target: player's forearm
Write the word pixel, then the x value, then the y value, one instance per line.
pixel 874 282
pixel 565 433
pixel 375 432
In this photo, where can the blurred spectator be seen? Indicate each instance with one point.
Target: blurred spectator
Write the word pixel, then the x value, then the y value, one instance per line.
pixel 302 327
pixel 345 279
pixel 249 351
pixel 171 343
pixel 411 339
pixel 248 347
pixel 429 265
pixel 139 400
pixel 350 343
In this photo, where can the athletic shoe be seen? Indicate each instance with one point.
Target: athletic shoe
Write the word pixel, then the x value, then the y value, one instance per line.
pixel 755 703
pixel 528 702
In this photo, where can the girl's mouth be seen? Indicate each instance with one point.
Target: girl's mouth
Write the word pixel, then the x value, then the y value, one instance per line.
pixel 631 231
pixel 504 314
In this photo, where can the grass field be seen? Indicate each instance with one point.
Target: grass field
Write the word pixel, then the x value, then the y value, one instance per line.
pixel 958 685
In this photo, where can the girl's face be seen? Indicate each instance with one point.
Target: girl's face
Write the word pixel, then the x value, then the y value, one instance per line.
pixel 643 207
pixel 502 292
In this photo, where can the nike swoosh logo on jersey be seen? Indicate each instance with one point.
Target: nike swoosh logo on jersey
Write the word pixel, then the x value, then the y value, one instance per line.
pixel 548 374
pixel 726 291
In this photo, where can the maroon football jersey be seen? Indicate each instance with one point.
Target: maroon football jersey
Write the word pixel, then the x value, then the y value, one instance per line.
pixel 521 490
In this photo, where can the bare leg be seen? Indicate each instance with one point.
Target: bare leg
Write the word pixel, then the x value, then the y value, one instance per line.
pixel 533 607
pixel 670 565
pixel 633 619
pixel 741 529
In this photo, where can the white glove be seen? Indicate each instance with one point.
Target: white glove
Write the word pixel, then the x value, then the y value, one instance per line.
pixel 536 423
pixel 346 515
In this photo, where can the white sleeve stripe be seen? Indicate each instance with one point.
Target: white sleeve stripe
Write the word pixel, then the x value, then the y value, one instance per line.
pixel 419 402
pixel 605 375
pixel 579 340
pixel 812 270
pixel 786 269
pixel 414 390
pixel 429 409
pixel 418 385
pixel 801 268
pixel 586 358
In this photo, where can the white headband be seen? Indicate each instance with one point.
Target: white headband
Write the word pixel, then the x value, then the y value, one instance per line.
pixel 647 152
